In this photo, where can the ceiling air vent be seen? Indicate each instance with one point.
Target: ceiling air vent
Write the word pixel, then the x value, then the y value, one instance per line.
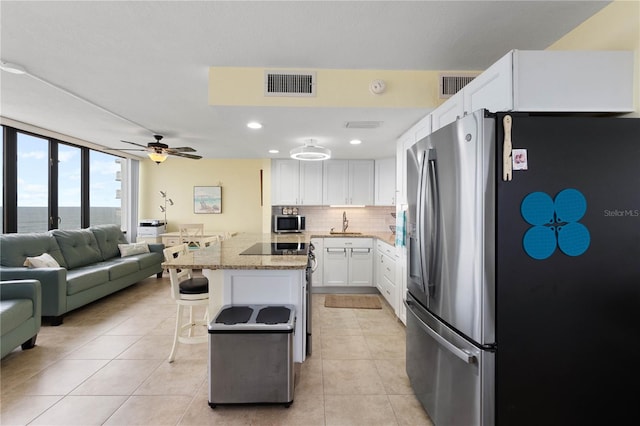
pixel 450 84
pixel 362 124
pixel 285 83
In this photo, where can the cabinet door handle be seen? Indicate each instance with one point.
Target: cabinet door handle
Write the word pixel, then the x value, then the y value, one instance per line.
pixel 336 250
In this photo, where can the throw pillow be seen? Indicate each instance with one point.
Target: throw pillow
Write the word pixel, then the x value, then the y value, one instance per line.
pixel 131 249
pixel 45 260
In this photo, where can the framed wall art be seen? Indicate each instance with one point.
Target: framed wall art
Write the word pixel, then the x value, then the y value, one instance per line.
pixel 207 199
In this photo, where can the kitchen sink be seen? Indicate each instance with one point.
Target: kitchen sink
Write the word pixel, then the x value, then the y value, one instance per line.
pixel 344 233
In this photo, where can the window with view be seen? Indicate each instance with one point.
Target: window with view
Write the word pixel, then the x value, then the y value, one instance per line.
pixel 50 184
pixel 33 183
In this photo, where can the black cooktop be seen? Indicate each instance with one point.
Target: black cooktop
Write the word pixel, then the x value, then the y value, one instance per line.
pixel 278 249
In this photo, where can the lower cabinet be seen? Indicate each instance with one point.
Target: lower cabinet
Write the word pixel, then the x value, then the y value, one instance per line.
pixel 386 273
pixel 347 262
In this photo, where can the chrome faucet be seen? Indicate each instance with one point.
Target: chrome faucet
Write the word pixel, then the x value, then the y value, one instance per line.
pixel 345 222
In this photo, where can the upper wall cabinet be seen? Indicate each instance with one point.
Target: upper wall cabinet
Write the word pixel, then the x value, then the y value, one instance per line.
pixel 535 81
pixel 385 182
pixel 296 182
pixel 310 183
pixel 348 182
pixel 448 112
pixel 546 81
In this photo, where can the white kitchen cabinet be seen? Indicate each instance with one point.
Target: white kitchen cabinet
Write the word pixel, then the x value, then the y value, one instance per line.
pixel 405 142
pixel 296 182
pixel 448 112
pixel 347 182
pixel 422 128
pixel 554 81
pixel 285 187
pixel 401 283
pixel 385 182
pixel 335 186
pixel 386 272
pixel 310 183
pixel 492 89
pixel 348 262
pixel 546 81
pixel 335 264
pixel 361 184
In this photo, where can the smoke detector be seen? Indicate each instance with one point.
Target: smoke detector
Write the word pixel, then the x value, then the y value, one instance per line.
pixel 377 87
pixel 310 152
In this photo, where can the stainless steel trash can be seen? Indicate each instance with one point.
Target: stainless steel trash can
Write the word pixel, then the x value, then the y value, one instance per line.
pixel 251 355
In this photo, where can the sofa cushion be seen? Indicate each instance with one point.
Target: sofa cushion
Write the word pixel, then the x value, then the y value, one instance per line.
pixel 131 249
pixel 45 260
pixel 79 247
pixel 119 268
pixel 148 260
pixel 108 237
pixel 84 278
pixel 15 248
pixel 14 312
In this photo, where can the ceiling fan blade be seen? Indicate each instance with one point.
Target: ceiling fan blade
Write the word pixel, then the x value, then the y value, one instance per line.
pixel 182 149
pixel 133 143
pixel 191 156
pixel 125 149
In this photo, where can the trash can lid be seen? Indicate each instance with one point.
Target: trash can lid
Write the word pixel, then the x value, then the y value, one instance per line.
pixel 234 315
pixel 273 315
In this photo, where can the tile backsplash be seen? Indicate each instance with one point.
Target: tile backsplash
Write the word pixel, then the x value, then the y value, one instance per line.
pixel 361 219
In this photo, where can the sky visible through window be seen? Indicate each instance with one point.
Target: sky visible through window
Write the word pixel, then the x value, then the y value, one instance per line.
pixel 33 175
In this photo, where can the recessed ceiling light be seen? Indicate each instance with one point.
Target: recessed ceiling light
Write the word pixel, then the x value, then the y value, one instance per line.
pixel 355 142
pixel 273 151
pixel 254 125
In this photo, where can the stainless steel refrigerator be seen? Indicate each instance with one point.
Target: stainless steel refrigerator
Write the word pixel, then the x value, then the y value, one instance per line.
pixel 523 238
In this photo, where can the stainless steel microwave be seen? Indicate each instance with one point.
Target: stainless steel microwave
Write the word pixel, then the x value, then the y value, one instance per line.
pixel 287 223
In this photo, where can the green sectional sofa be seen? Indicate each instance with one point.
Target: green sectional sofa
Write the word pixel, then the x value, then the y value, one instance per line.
pixel 90 265
pixel 20 314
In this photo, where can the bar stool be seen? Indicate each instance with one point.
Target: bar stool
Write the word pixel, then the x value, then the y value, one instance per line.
pixel 192 234
pixel 187 291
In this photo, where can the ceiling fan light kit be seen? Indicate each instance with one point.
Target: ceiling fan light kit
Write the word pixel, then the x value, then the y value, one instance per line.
pixel 157 157
pixel 310 152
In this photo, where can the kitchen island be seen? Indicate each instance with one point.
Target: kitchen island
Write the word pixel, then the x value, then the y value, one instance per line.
pixel 268 278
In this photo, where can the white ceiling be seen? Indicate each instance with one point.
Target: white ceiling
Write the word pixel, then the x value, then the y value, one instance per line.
pixel 148 62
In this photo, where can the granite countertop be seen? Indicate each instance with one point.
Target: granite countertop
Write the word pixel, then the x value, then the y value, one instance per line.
pixel 226 255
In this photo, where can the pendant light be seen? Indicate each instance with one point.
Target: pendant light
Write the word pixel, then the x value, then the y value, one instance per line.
pixel 310 152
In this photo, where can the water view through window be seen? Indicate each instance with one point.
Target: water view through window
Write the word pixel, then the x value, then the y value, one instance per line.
pixel 33 186
pixel 33 183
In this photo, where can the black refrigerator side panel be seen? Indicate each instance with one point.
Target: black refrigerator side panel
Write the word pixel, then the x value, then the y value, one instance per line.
pixel 568 272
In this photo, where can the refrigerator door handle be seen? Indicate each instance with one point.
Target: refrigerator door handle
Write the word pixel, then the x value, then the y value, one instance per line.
pixel 460 353
pixel 434 221
pixel 420 223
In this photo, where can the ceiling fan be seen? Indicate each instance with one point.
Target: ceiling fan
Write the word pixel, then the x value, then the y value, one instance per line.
pixel 158 151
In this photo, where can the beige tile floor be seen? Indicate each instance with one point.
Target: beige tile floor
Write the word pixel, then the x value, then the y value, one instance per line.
pixel 107 365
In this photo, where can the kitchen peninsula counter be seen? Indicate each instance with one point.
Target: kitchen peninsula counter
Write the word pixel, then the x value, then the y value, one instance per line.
pixel 237 279
pixel 226 255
